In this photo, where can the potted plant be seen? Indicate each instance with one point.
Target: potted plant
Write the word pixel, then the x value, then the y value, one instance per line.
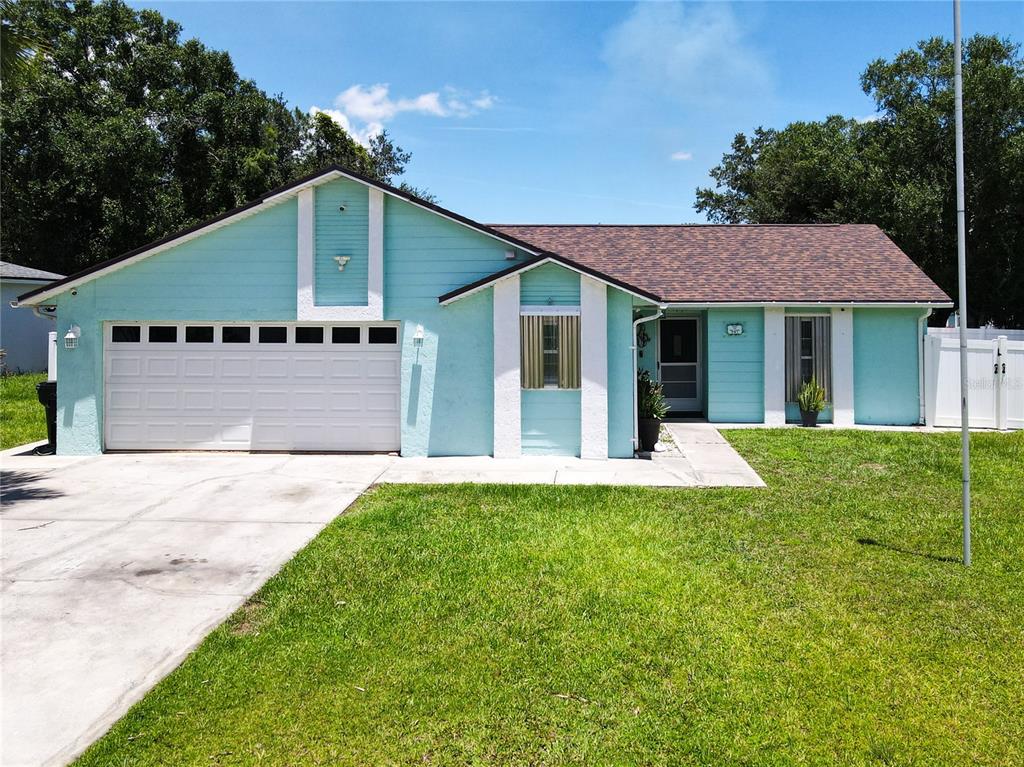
pixel 651 408
pixel 811 400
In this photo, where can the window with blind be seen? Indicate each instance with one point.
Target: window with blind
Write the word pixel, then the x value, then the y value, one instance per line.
pixel 550 351
pixel 808 354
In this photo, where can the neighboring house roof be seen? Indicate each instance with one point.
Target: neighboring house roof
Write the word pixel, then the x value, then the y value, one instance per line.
pixel 272 197
pixel 9 271
pixel 744 263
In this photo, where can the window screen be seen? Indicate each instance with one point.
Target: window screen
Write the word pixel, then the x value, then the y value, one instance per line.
pixel 550 352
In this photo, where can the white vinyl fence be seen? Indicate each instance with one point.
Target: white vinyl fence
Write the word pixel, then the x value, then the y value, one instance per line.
pixel 995 381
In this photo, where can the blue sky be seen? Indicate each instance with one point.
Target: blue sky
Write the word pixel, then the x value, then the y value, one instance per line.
pixel 571 112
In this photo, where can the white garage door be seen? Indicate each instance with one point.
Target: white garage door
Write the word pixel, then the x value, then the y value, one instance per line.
pixel 181 386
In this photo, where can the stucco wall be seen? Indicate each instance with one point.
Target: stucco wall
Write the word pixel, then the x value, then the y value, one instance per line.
pixel 448 380
pixel 886 386
pixel 242 272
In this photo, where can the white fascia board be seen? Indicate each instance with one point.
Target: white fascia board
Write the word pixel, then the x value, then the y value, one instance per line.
pixel 549 311
pixel 542 262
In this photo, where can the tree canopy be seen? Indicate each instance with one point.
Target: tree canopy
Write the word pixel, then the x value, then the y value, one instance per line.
pixel 898 170
pixel 120 133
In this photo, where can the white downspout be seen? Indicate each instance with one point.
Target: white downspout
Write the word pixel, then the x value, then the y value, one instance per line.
pixel 922 339
pixel 636 366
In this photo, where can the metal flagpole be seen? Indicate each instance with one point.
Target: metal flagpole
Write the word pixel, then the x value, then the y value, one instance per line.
pixel 961 254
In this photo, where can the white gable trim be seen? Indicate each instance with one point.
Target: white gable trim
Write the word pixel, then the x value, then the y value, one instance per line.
pixel 542 262
pixel 258 207
pixel 305 303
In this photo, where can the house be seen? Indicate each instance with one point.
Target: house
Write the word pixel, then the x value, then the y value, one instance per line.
pixel 337 313
pixel 23 334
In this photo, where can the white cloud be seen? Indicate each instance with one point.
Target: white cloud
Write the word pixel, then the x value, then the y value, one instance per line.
pixel 363 110
pixel 688 54
pixel 868 118
pixel 680 156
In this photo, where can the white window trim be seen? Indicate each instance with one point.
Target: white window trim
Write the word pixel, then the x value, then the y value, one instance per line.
pixel 546 310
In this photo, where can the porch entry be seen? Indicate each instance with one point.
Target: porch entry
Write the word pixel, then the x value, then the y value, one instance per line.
pixel 679 363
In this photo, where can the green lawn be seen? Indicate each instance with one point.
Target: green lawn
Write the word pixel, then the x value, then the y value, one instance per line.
pixel 22 418
pixel 824 620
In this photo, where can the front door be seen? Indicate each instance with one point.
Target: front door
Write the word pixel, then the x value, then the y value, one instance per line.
pixel 679 364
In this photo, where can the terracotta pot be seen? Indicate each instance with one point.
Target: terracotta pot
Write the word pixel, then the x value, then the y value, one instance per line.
pixel 649 430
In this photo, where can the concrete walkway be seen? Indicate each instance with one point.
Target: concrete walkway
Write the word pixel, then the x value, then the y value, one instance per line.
pixel 114 567
pixel 713 460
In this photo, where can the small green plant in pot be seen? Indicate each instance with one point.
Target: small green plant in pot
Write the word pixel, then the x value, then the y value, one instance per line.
pixel 651 409
pixel 811 399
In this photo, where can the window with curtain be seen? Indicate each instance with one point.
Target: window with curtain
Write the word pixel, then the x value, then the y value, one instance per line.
pixel 550 351
pixel 808 354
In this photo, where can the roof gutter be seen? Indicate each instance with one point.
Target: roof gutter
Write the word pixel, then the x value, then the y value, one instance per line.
pixel 797 303
pixel 636 394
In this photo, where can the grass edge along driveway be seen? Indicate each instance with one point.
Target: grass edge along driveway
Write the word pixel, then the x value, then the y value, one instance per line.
pixel 22 418
pixel 823 620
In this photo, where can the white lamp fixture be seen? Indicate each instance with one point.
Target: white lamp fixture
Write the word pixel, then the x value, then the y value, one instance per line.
pixel 71 337
pixel 510 255
pixel 417 337
pixel 734 330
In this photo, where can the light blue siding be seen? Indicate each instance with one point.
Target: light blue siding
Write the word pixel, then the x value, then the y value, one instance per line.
pixel 242 272
pixel 620 374
pixel 885 372
pixel 550 285
pixel 735 390
pixel 551 421
pixel 448 379
pixel 341 233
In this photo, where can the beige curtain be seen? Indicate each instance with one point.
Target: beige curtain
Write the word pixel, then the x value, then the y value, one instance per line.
pixel 821 335
pixel 568 352
pixel 531 346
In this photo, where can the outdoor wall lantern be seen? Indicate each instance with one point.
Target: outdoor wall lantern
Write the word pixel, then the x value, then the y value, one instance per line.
pixel 417 337
pixel 734 330
pixel 71 337
pixel 342 260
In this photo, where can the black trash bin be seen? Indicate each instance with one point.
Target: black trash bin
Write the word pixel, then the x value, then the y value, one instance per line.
pixel 47 393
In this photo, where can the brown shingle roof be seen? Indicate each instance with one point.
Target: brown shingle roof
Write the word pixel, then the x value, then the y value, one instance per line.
pixel 709 264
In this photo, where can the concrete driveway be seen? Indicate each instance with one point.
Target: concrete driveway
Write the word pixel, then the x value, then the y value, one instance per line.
pixel 115 567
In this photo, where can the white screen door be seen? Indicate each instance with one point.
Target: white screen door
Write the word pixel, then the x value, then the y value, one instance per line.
pixel 679 368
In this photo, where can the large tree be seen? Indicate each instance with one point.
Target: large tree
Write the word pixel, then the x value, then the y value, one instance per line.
pixel 121 132
pixel 898 171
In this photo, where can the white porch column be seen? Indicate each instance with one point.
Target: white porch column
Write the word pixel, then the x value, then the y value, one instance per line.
pixel 304 265
pixel 375 275
pixel 775 365
pixel 593 368
pixel 507 386
pixel 842 366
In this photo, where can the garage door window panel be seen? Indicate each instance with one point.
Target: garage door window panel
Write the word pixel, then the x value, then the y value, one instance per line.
pixel 199 334
pixel 235 334
pixel 273 335
pixel 345 335
pixel 126 334
pixel 162 334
